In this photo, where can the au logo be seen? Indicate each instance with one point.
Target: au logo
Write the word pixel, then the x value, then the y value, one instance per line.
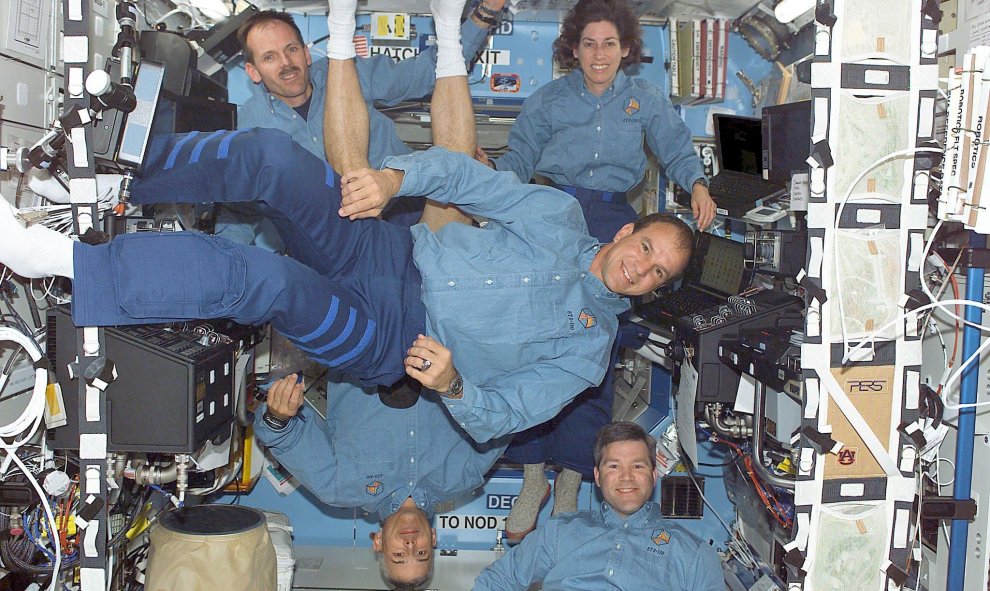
pixel 847 456
pixel 374 488
pixel 586 318
pixel 632 107
pixel 660 537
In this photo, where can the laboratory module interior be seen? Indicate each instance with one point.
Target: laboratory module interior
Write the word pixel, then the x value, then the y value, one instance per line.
pixel 813 381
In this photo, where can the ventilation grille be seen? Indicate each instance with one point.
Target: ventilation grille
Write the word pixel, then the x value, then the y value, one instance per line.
pixel 679 499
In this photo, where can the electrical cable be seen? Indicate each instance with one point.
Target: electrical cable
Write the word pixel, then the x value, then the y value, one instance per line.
pixel 951 273
pixel 27 423
pixel 770 501
pixel 901 317
pixel 835 228
pixel 741 548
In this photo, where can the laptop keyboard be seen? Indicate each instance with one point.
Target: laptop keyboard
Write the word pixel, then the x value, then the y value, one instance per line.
pixel 677 304
pixel 740 187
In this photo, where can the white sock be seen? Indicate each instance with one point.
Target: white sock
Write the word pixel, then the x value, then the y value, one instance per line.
pixel 447 21
pixel 341 25
pixel 41 183
pixel 33 252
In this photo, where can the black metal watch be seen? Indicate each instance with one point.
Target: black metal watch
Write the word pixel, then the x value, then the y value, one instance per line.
pixel 275 423
pixel 456 388
pixel 702 180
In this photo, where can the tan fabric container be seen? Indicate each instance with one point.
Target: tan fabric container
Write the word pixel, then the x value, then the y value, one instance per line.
pixel 211 547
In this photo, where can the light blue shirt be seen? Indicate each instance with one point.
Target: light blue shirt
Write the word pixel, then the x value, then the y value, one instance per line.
pixel 595 550
pixel 528 325
pixel 384 83
pixel 372 456
pixel 573 137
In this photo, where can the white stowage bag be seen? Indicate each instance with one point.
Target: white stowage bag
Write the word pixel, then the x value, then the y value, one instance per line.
pixel 850 547
pixel 879 29
pixel 185 553
pixel 281 533
pixel 883 121
pixel 868 277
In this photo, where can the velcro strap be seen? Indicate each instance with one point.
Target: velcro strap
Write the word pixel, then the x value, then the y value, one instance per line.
pixel 822 442
pixel 101 373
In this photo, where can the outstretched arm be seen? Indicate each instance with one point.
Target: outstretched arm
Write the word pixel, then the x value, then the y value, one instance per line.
pixel 527 139
pixel 670 140
pixel 303 447
pixel 523 565
pixel 522 399
pixel 456 178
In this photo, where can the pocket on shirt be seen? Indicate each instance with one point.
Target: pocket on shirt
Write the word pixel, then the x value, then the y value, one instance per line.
pixel 371 454
pixel 528 315
pixel 537 317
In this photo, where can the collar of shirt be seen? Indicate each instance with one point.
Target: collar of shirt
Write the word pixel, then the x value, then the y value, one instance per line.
pixel 609 298
pixel 576 80
pixel 640 518
pixel 390 504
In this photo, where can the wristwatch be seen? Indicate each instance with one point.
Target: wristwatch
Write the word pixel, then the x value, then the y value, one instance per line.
pixel 487 15
pixel 275 423
pixel 702 180
pixel 456 388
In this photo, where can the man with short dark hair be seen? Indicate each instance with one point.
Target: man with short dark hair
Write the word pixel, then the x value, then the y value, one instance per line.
pixel 625 544
pixel 395 464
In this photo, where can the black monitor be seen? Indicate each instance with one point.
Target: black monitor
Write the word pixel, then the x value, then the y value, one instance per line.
pixel 181 114
pixel 786 140
pixel 737 143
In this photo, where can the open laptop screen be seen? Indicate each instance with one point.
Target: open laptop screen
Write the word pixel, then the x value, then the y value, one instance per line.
pixel 739 144
pixel 721 265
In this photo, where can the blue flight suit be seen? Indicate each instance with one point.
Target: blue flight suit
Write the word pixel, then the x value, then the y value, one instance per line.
pixel 592 147
pixel 371 456
pixel 528 325
pixel 594 550
pixel 384 83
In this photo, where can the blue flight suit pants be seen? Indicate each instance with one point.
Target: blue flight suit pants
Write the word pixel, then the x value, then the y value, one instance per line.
pixel 568 439
pixel 349 297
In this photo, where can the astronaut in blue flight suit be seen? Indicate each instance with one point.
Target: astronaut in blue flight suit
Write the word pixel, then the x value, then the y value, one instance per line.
pixel 624 545
pixel 527 304
pixel 394 464
pixel 289 91
pixel 585 133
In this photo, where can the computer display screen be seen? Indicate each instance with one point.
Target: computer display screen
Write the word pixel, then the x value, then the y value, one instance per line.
pixel 786 140
pixel 182 114
pixel 738 143
pixel 723 264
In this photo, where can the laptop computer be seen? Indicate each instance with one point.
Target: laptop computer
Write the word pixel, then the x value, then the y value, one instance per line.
pixel 738 185
pixel 717 271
